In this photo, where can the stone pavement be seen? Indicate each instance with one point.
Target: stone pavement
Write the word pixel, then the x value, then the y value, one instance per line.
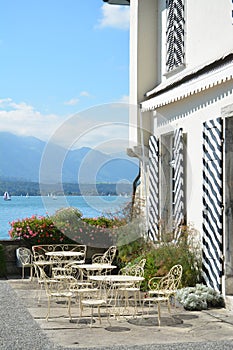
pixel 191 329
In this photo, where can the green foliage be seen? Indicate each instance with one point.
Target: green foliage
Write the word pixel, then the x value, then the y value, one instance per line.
pixel 162 256
pixel 98 232
pixel 131 252
pixel 2 262
pixel 104 222
pixel 69 214
pixel 199 297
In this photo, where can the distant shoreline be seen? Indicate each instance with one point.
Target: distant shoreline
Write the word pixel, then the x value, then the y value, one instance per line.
pixel 24 188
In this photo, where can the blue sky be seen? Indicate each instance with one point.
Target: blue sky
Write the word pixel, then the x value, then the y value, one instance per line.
pixel 60 57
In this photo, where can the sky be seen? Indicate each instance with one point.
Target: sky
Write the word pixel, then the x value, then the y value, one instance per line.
pixel 64 63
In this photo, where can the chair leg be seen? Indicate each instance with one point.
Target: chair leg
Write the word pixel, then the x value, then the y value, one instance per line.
pixel 99 315
pixel 135 304
pixel 48 313
pixel 23 272
pixel 169 305
pixel 40 293
pixel 69 308
pixel 159 313
pixel 91 316
pixel 31 272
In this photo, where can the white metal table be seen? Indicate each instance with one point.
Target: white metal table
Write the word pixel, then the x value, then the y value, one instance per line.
pixel 117 281
pixel 89 269
pixel 117 278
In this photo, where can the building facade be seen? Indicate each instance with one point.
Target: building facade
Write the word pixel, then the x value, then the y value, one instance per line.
pixel 181 79
pixel 181 121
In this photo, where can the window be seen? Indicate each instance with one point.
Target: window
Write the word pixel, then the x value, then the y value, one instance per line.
pixel 175 34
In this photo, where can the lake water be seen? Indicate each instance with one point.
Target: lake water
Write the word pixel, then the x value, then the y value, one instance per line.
pixel 21 207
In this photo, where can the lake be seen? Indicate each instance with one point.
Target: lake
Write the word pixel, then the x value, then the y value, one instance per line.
pixel 20 207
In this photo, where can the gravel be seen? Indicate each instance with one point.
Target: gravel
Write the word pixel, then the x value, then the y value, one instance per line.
pixel 18 330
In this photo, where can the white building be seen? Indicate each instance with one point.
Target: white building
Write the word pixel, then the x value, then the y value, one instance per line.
pixel 181 68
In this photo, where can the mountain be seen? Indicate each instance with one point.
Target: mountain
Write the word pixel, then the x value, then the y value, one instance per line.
pixel 20 159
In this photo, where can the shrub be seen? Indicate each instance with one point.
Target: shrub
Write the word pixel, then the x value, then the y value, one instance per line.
pixel 66 226
pixel 199 298
pixel 98 232
pixel 162 256
pixel 104 222
pixel 69 214
pixel 37 230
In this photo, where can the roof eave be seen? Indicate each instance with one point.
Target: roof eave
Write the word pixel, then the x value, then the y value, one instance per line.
pixel 118 2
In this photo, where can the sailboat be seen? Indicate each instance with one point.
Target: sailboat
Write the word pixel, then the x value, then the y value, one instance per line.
pixel 6 196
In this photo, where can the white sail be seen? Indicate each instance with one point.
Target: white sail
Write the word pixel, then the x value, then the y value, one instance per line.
pixel 6 196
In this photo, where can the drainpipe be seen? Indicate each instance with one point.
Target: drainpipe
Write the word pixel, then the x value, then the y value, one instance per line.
pixel 135 185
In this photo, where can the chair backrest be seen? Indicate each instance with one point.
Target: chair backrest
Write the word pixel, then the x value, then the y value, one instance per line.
pixel 39 253
pixel 136 269
pixel 24 255
pixel 102 291
pixel 54 285
pixel 169 282
pixel 82 249
pixel 142 263
pixel 107 257
pixel 176 273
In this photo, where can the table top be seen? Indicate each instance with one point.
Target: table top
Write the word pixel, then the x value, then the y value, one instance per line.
pixel 93 267
pixel 116 278
pixel 43 262
pixel 64 253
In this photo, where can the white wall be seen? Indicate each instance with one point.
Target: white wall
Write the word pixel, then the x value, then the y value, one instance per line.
pixel 143 68
pixel 209 30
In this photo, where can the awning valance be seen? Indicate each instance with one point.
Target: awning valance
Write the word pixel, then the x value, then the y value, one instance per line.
pixel 195 84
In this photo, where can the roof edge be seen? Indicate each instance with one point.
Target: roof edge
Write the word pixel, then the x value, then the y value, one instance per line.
pixel 168 85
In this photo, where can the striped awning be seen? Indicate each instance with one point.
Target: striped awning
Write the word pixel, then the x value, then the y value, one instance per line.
pixel 166 94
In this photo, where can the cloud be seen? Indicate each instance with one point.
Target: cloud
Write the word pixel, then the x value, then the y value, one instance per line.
pixel 85 94
pixel 114 17
pixel 23 119
pixel 72 102
pixel 104 127
pixel 75 100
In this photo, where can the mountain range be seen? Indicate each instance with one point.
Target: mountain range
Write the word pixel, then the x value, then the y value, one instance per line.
pixel 20 159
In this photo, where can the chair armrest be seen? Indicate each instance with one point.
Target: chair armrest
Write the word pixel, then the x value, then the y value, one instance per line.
pixel 154 283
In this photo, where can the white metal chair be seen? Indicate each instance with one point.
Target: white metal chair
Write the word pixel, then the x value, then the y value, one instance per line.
pixel 106 258
pixel 101 295
pixel 57 288
pixel 82 289
pixel 162 288
pixel 133 288
pixel 25 258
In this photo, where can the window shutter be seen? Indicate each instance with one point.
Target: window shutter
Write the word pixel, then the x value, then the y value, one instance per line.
pixel 178 182
pixel 153 188
pixel 175 33
pixel 212 203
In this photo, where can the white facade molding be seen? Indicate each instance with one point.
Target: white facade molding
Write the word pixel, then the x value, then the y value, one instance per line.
pixel 196 84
